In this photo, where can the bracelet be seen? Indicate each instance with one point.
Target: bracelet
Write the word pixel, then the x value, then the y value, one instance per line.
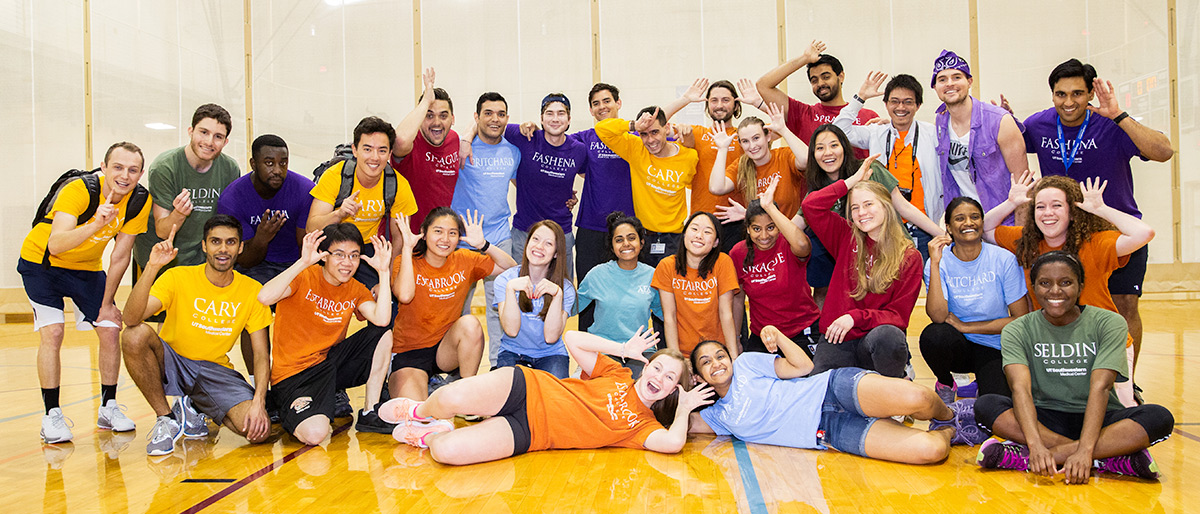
pixel 622 351
pixel 859 98
pixel 486 244
pixel 1120 117
pixel 761 103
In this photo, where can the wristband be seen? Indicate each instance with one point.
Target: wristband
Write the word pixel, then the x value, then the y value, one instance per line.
pixel 761 103
pixel 859 98
pixel 1120 117
pixel 483 249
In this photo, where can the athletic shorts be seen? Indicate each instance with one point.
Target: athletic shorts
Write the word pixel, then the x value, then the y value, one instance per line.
pixel 1156 420
pixel 843 425
pixel 424 359
pixel 1128 278
pixel 806 340
pixel 213 388
pixel 515 413
pixel 47 287
pixel 311 391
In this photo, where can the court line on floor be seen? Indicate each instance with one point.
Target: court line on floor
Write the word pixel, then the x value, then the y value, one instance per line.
pixel 219 495
pixel 754 495
pixel 1187 435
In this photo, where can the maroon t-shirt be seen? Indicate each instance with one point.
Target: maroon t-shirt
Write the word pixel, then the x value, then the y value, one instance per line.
pixel 777 287
pixel 432 172
pixel 803 119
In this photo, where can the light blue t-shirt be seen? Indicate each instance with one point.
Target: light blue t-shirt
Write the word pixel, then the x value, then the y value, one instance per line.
pixel 980 290
pixel 624 299
pixel 483 187
pixel 762 408
pixel 530 340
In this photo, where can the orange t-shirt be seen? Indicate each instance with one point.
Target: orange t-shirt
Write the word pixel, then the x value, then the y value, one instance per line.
pixel 706 149
pixel 310 321
pixel 1098 256
pixel 792 187
pixel 439 297
pixel 697 314
pixel 599 409
pixel 907 171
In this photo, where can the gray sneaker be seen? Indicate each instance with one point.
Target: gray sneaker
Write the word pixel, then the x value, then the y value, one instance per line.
pixel 111 416
pixel 56 428
pixel 163 436
pixel 195 423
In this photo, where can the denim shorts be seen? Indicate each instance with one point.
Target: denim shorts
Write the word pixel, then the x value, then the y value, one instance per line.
pixel 557 365
pixel 843 425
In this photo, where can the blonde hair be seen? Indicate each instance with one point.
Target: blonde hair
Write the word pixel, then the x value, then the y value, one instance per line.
pixel 747 174
pixel 879 269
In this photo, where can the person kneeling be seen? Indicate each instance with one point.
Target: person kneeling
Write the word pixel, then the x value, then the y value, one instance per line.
pixel 1061 362
pixel 768 399
pixel 312 357
pixel 207 307
pixel 534 410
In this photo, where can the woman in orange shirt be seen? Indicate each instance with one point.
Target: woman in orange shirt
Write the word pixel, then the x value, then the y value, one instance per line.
pixel 697 286
pixel 753 171
pixel 533 410
pixel 431 280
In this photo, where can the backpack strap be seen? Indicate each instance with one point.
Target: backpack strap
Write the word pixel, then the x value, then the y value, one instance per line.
pixel 347 185
pixel 137 201
pixel 91 181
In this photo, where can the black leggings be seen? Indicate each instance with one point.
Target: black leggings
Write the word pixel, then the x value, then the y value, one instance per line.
pixel 1156 420
pixel 947 350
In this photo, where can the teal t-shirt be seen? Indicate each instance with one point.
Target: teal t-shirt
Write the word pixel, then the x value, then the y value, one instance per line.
pixel 1061 359
pixel 170 173
pixel 624 299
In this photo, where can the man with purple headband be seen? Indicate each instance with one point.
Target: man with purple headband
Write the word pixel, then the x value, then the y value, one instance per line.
pixel 980 145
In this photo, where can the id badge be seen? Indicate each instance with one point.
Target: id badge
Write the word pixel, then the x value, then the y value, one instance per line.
pixel 658 248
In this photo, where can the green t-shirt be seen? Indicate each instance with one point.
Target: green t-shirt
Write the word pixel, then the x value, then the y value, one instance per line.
pixel 880 174
pixel 170 173
pixel 1061 359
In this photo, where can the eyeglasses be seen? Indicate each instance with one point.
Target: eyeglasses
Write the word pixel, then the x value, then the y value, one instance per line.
pixel 907 102
pixel 342 256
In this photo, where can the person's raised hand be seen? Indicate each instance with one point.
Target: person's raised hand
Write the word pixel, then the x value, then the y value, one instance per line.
pixel 164 252
pixel 1106 100
pixel 749 93
pixel 730 213
pixel 382 259
pixel 936 245
pixel 1018 190
pixel 864 171
pixel 183 202
pixel 646 121
pixel 310 247
pixel 870 86
pixel 642 340
pixel 1093 194
pixel 350 206
pixel 106 212
pixel 814 51
pixel 696 92
pixel 721 136
pixel 473 235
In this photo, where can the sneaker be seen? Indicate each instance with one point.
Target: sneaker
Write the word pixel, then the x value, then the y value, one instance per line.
pixel 415 432
pixel 400 410
pixel 1137 464
pixel 969 391
pixel 969 432
pixel 370 422
pixel 904 419
pixel 439 381
pixel 1137 395
pixel 195 423
pixel 112 417
pixel 341 405
pixel 56 428
pixel 910 373
pixel 471 418
pixel 947 393
pixel 994 454
pixel 163 436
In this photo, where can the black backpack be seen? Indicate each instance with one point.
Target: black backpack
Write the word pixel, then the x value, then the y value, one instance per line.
pixel 91 180
pixel 342 153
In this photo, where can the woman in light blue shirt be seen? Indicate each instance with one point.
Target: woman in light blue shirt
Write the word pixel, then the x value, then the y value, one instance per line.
pixel 534 301
pixel 621 287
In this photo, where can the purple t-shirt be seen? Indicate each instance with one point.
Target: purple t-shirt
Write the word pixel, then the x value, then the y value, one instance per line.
pixel 545 177
pixel 241 201
pixel 1104 152
pixel 607 187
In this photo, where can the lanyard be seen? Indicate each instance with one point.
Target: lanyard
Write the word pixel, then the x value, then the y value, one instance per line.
pixel 916 132
pixel 1062 148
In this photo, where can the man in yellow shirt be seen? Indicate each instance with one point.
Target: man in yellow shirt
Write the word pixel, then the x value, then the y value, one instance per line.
pixel 62 258
pixel 207 307
pixel 365 206
pixel 660 173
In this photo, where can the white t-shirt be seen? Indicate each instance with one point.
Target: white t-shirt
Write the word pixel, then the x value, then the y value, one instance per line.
pixel 960 163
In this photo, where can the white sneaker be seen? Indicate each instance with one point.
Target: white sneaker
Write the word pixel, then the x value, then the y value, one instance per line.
pixel 112 418
pixel 56 428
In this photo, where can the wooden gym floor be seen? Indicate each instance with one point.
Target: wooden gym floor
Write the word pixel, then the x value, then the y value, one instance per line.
pixel 107 472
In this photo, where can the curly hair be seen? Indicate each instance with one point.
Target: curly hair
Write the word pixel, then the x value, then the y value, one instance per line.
pixel 1080 227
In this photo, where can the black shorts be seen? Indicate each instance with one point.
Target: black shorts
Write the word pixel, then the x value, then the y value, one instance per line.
pixel 424 359
pixel 515 413
pixel 806 342
pixel 1156 420
pixel 1128 278
pixel 311 391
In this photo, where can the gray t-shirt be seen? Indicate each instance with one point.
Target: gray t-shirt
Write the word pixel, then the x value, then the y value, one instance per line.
pixel 1061 359
pixel 170 173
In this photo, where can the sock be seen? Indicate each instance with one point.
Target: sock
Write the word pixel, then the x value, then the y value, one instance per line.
pixel 50 398
pixel 171 415
pixel 107 392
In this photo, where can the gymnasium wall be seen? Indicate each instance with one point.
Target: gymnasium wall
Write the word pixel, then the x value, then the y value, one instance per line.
pixel 315 67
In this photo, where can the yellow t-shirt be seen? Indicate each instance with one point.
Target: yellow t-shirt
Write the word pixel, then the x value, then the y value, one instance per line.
pixel 372 211
pixel 659 185
pixel 203 320
pixel 73 199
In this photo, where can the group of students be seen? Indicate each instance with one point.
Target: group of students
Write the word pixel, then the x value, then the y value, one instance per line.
pixel 824 236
